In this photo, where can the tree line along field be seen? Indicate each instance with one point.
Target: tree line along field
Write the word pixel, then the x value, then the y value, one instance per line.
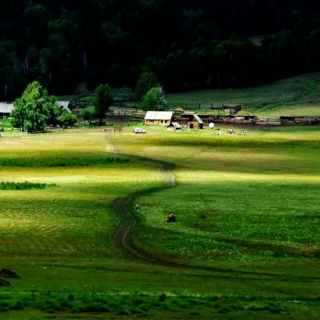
pixel 202 45
pixel 245 245
pixel 296 96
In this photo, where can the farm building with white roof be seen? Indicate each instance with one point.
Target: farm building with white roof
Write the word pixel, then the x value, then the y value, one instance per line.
pixel 158 118
pixel 65 105
pixel 5 109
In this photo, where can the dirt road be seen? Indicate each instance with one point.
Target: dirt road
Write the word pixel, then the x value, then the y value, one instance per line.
pixel 122 239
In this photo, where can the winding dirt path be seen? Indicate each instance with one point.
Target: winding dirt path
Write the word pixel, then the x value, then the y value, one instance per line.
pixel 122 239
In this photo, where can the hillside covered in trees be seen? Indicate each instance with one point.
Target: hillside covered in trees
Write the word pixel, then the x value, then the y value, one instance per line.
pixel 188 44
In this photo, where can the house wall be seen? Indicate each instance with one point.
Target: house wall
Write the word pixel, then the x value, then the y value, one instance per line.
pixel 196 124
pixel 162 123
pixel 4 115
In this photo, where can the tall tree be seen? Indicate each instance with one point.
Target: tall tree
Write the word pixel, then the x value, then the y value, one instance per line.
pixel 88 42
pixel 147 81
pixel 34 110
pixel 102 100
pixel 154 99
pixel 67 119
pixel 88 114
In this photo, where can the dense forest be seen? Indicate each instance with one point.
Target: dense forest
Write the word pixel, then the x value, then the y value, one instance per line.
pixel 188 44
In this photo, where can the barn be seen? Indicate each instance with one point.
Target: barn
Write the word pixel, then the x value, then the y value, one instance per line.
pixel 193 121
pixel 65 105
pixel 174 126
pixel 158 118
pixel 5 109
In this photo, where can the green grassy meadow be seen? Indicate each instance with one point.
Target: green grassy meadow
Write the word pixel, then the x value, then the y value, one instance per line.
pixel 297 96
pixel 246 244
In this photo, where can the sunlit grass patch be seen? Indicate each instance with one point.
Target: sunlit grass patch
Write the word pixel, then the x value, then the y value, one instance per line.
pixel 234 220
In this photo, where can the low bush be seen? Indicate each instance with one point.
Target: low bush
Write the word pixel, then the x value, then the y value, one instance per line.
pixel 95 307
pixel 18 306
pixel 162 298
pixel 24 185
pixel 60 162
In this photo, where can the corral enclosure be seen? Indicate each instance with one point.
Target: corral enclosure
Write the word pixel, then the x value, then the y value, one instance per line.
pixel 246 241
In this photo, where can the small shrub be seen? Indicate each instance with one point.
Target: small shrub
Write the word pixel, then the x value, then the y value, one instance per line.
pixel 18 306
pixel 138 302
pixel 224 310
pixel 162 297
pixel 4 304
pixel 49 310
pixel 192 301
pixel 94 307
pixel 183 305
pixel 274 311
pixel 3 309
pixel 279 254
pixel 71 297
pixel 65 305
pixel 123 313
pixel 135 311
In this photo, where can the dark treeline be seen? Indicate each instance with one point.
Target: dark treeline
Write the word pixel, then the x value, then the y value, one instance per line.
pixel 188 44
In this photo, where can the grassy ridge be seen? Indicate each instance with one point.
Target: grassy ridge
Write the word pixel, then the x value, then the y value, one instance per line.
pixel 297 96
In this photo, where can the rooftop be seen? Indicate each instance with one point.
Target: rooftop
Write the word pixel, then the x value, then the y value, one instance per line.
pixel 198 118
pixel 6 107
pixel 159 115
pixel 64 105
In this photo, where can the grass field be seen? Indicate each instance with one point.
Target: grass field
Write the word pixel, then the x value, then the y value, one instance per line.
pixel 246 244
pixel 297 96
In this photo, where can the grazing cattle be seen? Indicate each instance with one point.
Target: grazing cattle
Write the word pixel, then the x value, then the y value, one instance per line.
pixel 231 131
